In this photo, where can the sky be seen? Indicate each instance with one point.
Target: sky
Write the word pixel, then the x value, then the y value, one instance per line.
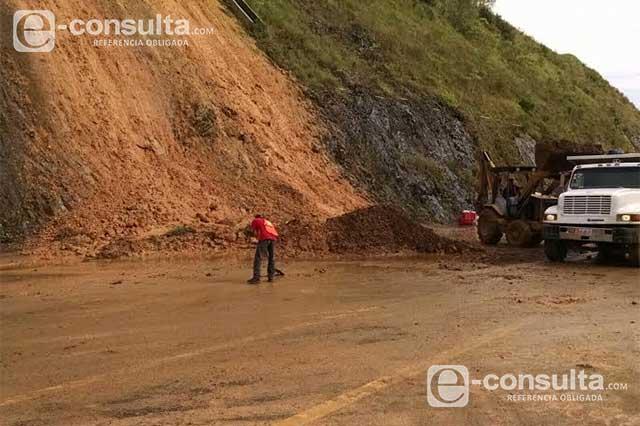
pixel 604 34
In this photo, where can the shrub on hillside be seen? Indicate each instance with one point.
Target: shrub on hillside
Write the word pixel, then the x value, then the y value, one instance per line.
pixel 463 14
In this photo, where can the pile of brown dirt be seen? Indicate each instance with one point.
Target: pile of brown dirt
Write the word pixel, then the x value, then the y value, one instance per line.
pixel 373 230
pixel 301 236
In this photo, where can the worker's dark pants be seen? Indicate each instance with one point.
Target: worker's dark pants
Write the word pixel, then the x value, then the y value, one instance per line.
pixel 266 247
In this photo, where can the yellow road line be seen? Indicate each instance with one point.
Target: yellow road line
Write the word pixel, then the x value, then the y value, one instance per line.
pixel 351 397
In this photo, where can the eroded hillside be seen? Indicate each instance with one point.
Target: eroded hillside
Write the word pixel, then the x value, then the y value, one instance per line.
pixel 101 143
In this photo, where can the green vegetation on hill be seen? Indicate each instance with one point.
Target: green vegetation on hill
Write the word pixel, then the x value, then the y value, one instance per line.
pixel 505 83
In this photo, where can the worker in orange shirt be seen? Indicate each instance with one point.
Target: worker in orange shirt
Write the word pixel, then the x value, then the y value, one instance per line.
pixel 267 236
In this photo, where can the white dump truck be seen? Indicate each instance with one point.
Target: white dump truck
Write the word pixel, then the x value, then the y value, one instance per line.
pixel 600 208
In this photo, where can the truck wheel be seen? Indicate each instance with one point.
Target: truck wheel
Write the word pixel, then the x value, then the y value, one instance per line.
pixel 519 234
pixel 489 230
pixel 605 254
pixel 555 250
pixel 635 256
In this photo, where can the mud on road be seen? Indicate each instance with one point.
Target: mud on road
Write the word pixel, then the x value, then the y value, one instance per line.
pixel 335 342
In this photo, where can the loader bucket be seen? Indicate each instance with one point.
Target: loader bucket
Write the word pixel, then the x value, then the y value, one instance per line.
pixel 552 156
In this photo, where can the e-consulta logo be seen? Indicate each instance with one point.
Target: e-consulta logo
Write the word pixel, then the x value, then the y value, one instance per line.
pixel 35 31
pixel 449 386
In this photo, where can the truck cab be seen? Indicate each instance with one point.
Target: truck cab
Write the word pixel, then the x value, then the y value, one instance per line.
pixel 601 208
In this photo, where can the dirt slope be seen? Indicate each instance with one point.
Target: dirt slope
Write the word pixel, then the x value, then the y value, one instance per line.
pixel 119 142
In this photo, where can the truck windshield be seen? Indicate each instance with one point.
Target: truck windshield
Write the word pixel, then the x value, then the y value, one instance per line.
pixel 618 177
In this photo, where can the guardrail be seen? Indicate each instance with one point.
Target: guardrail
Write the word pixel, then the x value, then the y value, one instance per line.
pixel 243 8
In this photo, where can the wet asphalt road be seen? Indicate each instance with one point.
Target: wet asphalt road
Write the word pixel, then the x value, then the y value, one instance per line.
pixel 344 343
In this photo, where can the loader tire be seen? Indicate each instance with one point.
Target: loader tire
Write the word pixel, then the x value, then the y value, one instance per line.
pixel 520 234
pixel 489 230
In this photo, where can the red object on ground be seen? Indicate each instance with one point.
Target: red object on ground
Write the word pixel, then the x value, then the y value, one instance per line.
pixel 468 218
pixel 265 229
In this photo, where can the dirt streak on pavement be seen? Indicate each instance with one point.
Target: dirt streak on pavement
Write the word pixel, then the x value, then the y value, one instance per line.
pixel 155 363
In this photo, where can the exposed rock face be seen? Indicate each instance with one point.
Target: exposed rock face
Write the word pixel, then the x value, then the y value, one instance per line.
pixel 412 153
pixel 527 149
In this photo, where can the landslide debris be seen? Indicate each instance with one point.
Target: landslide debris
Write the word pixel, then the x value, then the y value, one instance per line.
pixel 376 230
pixel 373 230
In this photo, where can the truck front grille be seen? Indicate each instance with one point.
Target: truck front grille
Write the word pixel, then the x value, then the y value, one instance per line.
pixel 587 204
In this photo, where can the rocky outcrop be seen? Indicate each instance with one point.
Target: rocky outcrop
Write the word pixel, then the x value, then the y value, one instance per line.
pixel 413 153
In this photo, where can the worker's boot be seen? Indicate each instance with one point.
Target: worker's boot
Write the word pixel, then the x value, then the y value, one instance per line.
pixel 270 279
pixel 254 281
